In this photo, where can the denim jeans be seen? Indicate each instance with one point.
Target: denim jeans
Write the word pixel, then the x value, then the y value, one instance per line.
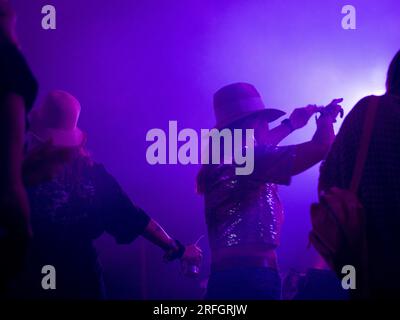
pixel 255 283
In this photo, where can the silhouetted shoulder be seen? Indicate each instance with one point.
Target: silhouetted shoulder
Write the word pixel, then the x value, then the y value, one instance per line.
pixel 15 74
pixel 390 104
pixel 363 104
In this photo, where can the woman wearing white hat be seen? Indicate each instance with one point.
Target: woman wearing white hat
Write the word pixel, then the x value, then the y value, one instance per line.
pixel 244 213
pixel 75 207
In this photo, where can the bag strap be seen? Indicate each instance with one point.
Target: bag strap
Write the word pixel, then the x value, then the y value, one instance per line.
pixel 364 144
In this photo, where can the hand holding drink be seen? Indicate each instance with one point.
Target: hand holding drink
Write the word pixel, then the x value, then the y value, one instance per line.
pixel 191 260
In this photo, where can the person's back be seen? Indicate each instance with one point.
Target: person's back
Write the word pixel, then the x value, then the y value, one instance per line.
pixel 379 190
pixel 68 212
pixel 65 220
pixel 73 201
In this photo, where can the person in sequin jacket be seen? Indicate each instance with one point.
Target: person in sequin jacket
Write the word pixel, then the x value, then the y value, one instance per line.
pixel 244 214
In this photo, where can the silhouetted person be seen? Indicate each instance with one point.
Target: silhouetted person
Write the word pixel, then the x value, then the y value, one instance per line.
pixel 379 190
pixel 244 214
pixel 18 89
pixel 74 207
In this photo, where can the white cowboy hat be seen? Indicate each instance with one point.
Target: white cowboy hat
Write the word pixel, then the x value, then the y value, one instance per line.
pixel 56 120
pixel 238 101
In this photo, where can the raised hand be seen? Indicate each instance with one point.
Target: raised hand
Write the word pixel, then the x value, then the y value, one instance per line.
pixel 300 116
pixel 332 110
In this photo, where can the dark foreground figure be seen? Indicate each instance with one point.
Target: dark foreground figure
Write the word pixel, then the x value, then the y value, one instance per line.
pixel 379 190
pixel 18 89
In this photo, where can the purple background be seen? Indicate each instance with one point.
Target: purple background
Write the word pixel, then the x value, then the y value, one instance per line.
pixel 135 65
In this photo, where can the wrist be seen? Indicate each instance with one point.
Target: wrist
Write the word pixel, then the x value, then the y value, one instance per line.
pixel 288 124
pixel 175 251
pixel 325 135
pixel 325 121
pixel 327 117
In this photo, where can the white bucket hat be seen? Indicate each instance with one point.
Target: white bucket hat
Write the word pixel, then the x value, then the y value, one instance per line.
pixel 238 101
pixel 56 120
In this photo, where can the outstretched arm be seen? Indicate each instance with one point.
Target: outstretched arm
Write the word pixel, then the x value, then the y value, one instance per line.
pixel 298 119
pixel 173 249
pixel 277 134
pixel 125 221
pixel 157 235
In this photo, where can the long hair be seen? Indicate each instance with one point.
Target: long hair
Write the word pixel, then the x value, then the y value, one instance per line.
pixel 393 76
pixel 72 163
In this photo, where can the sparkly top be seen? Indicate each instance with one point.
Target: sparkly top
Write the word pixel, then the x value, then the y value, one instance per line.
pixel 246 210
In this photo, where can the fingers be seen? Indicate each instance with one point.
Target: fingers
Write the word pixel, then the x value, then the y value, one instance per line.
pixel 311 109
pixel 341 112
pixel 335 106
pixel 193 253
pixel 336 101
pixel 195 250
pixel 314 108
